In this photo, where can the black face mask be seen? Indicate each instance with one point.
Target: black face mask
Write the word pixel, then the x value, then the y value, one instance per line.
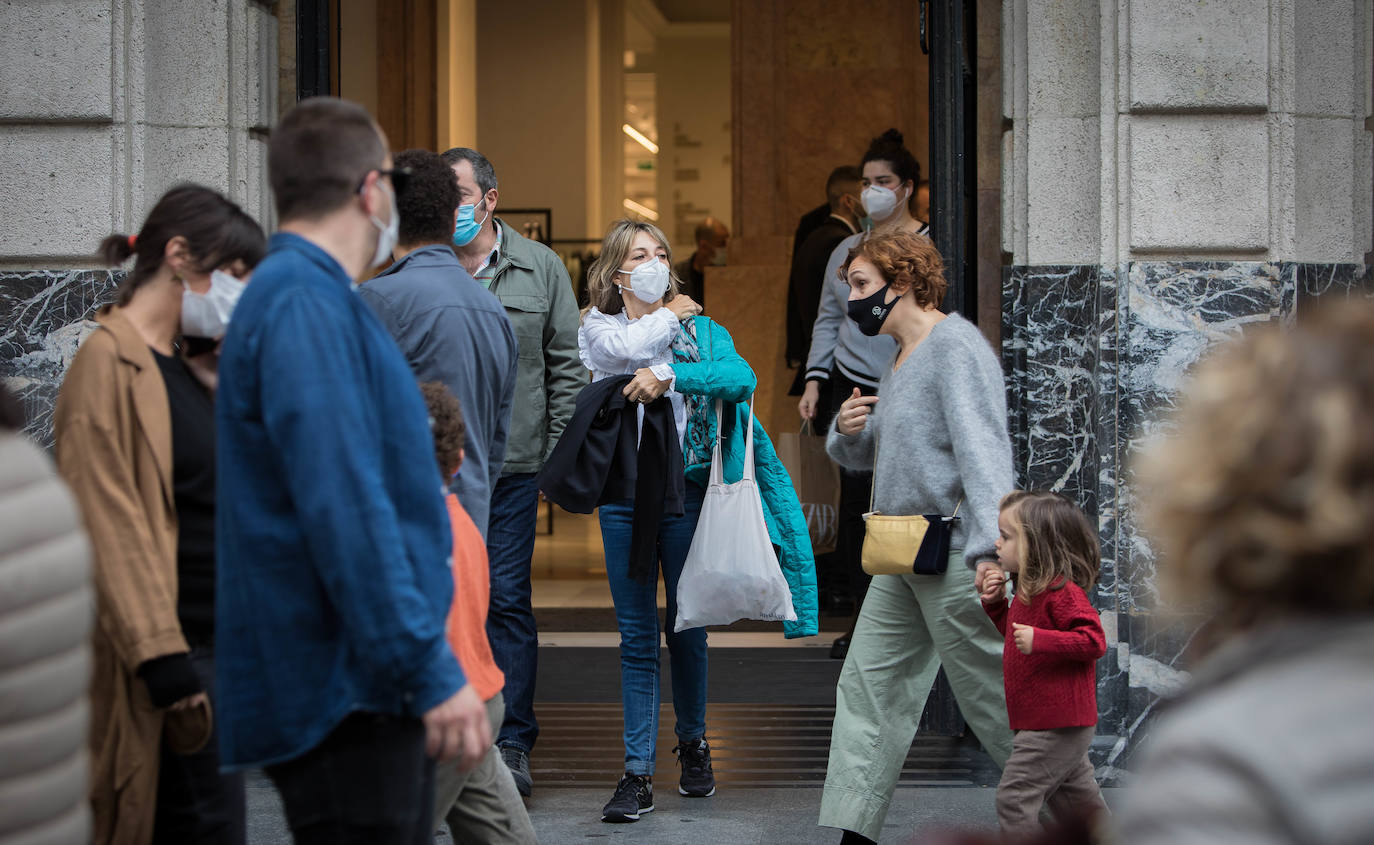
pixel 871 312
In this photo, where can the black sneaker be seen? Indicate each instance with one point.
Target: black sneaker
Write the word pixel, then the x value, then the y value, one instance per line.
pixel 698 780
pixel 518 761
pixel 634 795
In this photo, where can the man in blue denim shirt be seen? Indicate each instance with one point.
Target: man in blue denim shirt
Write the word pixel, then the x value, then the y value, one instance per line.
pixel 333 582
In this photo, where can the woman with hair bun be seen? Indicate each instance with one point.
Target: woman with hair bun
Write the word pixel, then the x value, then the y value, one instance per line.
pixel 845 357
pixel 135 440
pixel 937 435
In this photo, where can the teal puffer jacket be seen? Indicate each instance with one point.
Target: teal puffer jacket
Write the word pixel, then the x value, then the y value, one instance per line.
pixel 723 374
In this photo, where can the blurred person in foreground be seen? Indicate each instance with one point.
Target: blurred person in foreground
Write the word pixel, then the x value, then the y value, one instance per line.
pixel 1262 506
pixel 333 538
pixel 46 614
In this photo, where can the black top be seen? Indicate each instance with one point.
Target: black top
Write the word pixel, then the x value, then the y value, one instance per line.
pixel 809 222
pixel 805 285
pixel 193 486
pixel 601 459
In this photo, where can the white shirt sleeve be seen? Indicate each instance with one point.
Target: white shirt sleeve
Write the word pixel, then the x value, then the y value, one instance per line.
pixel 664 372
pixel 607 344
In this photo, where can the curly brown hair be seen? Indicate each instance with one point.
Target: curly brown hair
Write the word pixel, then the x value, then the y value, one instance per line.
pixel 1262 501
pixel 906 262
pixel 446 425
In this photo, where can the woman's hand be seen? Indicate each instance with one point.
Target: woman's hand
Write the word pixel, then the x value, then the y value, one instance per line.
pixel 683 306
pixel 645 386
pixel 854 413
pixel 811 398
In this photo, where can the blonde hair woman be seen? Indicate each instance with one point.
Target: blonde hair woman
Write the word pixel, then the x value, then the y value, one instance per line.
pixel 1262 507
pixel 638 324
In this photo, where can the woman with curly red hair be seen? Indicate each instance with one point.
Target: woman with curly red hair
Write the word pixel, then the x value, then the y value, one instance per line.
pixel 935 437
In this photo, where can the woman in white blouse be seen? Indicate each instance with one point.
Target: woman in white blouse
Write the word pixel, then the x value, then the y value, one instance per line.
pixel 638 324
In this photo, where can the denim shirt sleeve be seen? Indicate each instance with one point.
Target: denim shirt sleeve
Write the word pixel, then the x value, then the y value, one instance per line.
pixel 326 433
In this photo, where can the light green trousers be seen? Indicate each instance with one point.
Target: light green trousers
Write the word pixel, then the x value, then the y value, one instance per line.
pixel 908 627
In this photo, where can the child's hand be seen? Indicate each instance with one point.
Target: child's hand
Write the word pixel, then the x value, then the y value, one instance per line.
pixel 1023 636
pixel 994 586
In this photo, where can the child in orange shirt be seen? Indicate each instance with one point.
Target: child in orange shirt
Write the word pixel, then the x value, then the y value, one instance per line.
pixel 481 805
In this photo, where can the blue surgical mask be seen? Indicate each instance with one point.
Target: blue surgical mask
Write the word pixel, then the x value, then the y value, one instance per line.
pixel 466 228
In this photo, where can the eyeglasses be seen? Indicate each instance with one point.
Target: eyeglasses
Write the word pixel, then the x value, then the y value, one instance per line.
pixel 398 175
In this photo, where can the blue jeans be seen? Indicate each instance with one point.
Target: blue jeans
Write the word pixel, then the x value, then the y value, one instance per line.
pixel 636 615
pixel 510 614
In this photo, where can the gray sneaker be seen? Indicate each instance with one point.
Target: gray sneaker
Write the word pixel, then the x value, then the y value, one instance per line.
pixel 518 761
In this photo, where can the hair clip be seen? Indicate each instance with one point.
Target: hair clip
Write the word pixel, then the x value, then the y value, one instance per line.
pixel 133 240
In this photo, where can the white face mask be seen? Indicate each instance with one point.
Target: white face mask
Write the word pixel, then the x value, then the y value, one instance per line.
pixel 880 202
pixel 207 314
pixel 389 233
pixel 648 281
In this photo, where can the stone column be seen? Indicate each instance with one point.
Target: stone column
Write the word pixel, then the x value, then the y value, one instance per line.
pixel 1178 171
pixel 104 106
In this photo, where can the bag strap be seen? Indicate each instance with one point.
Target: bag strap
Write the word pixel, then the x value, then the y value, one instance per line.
pixel 717 464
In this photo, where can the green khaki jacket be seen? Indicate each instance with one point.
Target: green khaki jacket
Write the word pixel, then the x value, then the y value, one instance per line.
pixel 534 287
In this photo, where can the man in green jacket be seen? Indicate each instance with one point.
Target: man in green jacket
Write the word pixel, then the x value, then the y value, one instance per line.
pixel 534 287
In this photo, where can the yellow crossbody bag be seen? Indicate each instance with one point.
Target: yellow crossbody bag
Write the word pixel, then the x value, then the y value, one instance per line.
pixel 905 545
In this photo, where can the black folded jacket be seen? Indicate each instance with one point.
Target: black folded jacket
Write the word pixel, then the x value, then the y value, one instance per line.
pixel 599 460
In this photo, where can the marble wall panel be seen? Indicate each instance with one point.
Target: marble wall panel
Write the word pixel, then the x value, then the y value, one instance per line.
pixel 1334 281
pixel 44 316
pixel 1169 315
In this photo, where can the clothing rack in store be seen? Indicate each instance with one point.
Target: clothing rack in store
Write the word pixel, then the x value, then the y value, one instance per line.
pixel 577 255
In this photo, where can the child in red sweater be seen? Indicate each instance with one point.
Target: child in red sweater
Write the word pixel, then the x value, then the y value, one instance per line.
pixel 1053 639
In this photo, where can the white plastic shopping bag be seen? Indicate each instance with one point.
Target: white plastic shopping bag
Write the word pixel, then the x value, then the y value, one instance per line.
pixel 731 571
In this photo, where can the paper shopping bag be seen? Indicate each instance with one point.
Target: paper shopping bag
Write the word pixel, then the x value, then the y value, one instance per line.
pixel 817 482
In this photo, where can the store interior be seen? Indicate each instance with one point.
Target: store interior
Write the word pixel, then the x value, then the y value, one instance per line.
pixel 591 110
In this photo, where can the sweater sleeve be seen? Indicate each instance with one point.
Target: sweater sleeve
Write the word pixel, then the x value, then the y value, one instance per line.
pixel 1077 632
pixel 997 612
pixel 975 407
pixel 852 451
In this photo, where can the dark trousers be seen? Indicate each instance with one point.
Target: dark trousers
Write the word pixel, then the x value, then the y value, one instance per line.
pixel 510 613
pixel 855 495
pixel 368 783
pixel 196 805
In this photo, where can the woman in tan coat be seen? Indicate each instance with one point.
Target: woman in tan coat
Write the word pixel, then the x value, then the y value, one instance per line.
pixel 134 431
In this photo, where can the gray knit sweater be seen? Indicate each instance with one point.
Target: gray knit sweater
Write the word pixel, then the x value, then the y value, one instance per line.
pixel 941 425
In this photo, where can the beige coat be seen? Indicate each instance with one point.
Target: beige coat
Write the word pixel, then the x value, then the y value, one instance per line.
pixel 113 434
pixel 45 655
